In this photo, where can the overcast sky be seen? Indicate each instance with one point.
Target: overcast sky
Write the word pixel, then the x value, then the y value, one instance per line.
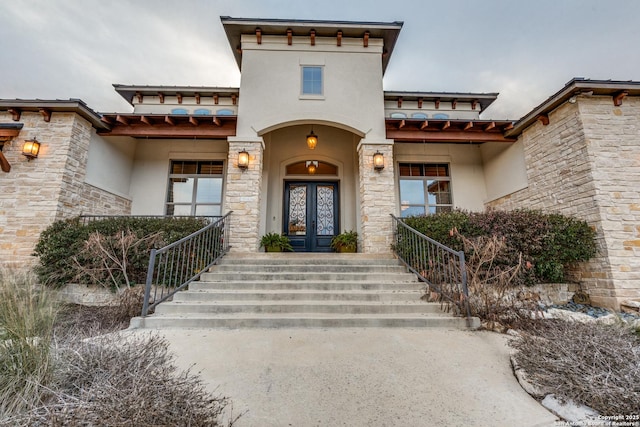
pixel 526 50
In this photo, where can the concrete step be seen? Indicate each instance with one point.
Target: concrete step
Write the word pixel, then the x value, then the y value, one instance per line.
pixel 308 268
pixel 387 277
pixel 301 307
pixel 297 295
pixel 243 320
pixel 309 259
pixel 327 285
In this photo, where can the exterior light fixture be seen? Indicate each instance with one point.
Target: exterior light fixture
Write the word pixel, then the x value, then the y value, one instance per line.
pixel 243 160
pixel 30 149
pixel 312 140
pixel 312 166
pixel 378 161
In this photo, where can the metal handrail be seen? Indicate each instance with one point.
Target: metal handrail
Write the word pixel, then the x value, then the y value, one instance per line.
pixel 441 267
pixel 174 266
pixel 85 219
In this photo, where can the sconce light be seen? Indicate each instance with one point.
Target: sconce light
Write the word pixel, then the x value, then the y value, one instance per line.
pixel 312 140
pixel 312 166
pixel 243 160
pixel 30 149
pixel 378 161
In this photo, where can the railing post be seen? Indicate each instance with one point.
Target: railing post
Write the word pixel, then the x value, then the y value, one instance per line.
pixel 465 287
pixel 147 290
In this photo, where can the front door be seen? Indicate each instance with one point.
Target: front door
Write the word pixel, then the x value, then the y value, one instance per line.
pixel 311 215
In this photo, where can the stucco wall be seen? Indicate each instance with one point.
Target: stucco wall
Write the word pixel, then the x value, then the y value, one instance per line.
pixel 586 163
pixel 109 163
pixel 467 176
pixel 150 175
pixel 270 88
pixel 502 160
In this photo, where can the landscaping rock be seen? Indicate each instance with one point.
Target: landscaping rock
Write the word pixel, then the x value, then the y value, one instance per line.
pixel 570 411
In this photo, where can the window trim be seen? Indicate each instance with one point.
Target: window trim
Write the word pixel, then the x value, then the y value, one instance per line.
pixel 303 94
pixel 194 204
pixel 426 206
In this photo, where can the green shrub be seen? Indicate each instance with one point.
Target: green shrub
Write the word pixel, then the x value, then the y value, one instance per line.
pixel 548 243
pixel 62 244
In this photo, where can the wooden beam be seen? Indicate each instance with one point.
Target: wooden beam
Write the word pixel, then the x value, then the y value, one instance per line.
pixel 46 114
pixel 5 166
pixel 179 96
pixel 15 114
pixel 289 37
pixel 106 119
pixel 452 136
pixel 7 134
pixel 617 98
pixel 365 39
pixel 544 119
pixel 437 103
pixel 420 102
pixel 168 120
pixel 446 125
pixel 474 104
pixel 401 124
pixel 146 120
pixel 507 127
pixel 216 121
pixel 454 102
pixel 215 99
pixel 312 33
pixel 234 98
pixel 399 102
pixel 161 96
pixel 468 126
pixel 140 97
pixel 339 38
pixel 122 120
pixel 180 130
pixel 490 126
pixel 197 95
pixel 193 120
pixel 259 35
pixel 424 125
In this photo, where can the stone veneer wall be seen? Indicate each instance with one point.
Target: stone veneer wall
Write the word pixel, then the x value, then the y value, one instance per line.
pixel 242 196
pixel 377 199
pixel 38 192
pixel 586 163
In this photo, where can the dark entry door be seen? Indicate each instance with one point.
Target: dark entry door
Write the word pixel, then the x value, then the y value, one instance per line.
pixel 311 215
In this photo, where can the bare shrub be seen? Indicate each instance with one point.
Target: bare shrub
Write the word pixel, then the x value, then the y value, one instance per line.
pixel 27 314
pixel 116 380
pixel 592 364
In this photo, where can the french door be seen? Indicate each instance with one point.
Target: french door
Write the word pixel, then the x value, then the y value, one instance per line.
pixel 311 214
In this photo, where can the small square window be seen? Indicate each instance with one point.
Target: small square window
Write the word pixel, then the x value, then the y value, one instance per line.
pixel 312 80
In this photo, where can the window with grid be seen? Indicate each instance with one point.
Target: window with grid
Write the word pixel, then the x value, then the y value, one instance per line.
pixel 425 188
pixel 312 80
pixel 195 188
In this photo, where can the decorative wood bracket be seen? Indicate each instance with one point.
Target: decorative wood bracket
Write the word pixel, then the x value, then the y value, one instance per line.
pixel 215 99
pixel 140 97
pixel 424 125
pixel 312 34
pixel 399 102
pixel 15 114
pixel 259 35
pixel 46 114
pixel 179 96
pixel 401 124
pixel 234 98
pixel 161 96
pixel 365 39
pixel 168 120
pixel 145 120
pixel 197 95
pixel 454 103
pixel 193 121
pixel 446 124
pixel 468 126
pixel 490 126
pixel 544 119
pixel 618 97
pixel 339 38
pixel 437 103
pixel 216 121
pixel 289 37
pixel 122 120
pixel 474 104
pixel 420 102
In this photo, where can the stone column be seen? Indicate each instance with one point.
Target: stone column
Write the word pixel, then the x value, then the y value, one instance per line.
pixel 243 193
pixel 377 197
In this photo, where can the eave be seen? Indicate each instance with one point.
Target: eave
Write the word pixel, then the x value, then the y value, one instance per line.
pixel 46 107
pixel 9 130
pixel 577 86
pixel 448 131
pixel 176 126
pixel 128 92
pixel 483 99
pixel 236 27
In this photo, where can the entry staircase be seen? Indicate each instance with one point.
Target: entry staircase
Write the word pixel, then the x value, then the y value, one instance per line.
pixel 279 290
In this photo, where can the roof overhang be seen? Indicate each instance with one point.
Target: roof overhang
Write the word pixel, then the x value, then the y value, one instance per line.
pixel 448 131
pixel 576 86
pixel 483 99
pixel 169 126
pixel 45 107
pixel 9 130
pixel 129 91
pixel 235 27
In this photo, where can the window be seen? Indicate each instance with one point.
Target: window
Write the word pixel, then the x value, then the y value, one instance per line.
pixel 195 188
pixel 398 116
pixel 312 80
pixel 425 188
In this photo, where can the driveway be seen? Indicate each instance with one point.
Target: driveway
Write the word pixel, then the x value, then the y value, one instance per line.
pixel 360 376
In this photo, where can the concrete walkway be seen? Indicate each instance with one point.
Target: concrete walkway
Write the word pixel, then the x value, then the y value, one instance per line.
pixel 360 376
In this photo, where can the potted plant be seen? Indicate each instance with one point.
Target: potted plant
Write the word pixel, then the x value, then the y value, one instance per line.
pixel 274 242
pixel 346 241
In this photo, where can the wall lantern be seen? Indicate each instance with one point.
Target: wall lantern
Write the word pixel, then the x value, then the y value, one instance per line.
pixel 378 161
pixel 243 159
pixel 30 149
pixel 312 166
pixel 312 140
